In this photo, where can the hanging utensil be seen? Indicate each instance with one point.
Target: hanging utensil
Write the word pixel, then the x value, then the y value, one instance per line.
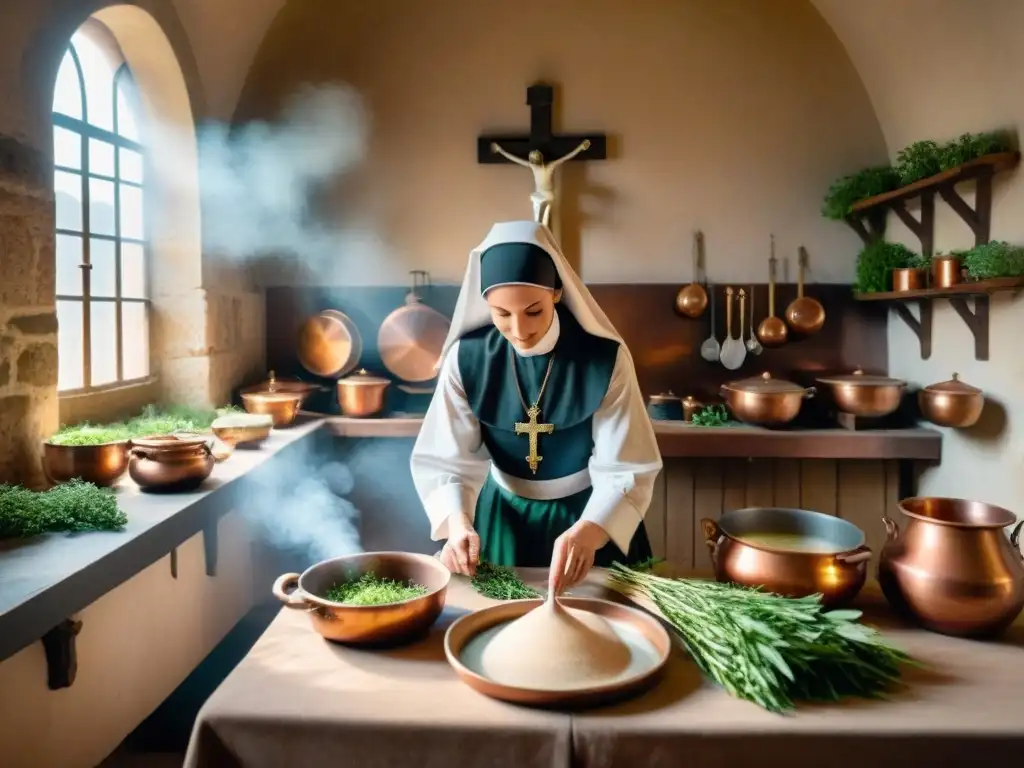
pixel 412 337
pixel 733 351
pixel 804 314
pixel 753 345
pixel 710 350
pixel 772 332
pixel 691 300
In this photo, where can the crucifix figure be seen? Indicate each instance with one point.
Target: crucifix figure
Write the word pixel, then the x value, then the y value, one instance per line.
pixel 532 429
pixel 541 151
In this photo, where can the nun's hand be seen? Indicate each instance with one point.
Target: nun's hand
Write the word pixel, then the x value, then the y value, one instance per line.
pixel 573 555
pixel 461 553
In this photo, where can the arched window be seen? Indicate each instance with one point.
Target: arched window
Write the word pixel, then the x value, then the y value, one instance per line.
pixel 102 292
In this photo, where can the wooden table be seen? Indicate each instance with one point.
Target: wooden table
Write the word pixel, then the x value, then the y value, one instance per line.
pixel 297 700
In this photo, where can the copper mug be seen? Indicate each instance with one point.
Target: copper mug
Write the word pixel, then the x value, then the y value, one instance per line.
pixel 952 569
pixel 835 568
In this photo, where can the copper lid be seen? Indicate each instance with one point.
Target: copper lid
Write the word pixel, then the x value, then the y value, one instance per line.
pixel 953 387
pixel 176 441
pixel 363 378
pixel 274 384
pixel 327 346
pixel 765 385
pixel 664 397
pixel 859 378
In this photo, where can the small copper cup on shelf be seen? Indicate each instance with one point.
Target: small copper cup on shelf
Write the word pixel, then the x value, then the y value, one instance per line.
pixel 946 271
pixel 909 279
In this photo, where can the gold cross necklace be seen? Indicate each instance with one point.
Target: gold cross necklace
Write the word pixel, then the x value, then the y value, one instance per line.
pixel 531 428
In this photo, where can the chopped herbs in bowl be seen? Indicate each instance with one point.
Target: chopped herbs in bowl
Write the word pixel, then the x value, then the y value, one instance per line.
pixel 370 589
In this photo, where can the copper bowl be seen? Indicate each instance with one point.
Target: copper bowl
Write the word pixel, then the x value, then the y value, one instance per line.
pixel 765 401
pixel 865 395
pixel 170 462
pixel 952 568
pixel 465 628
pixel 282 407
pixel 368 624
pixel 248 430
pixel 100 464
pixel 836 570
pixel 951 403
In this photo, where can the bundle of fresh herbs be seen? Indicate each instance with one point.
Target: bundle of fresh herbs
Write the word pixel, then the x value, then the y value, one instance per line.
pixel 711 416
pixel 71 507
pixel 877 261
pixel 773 651
pixel 971 146
pixel 499 582
pixel 918 161
pixel 851 189
pixel 370 589
pixel 153 420
pixel 993 259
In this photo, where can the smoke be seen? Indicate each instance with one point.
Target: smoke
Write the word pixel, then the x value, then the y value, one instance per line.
pixel 267 189
pixel 308 516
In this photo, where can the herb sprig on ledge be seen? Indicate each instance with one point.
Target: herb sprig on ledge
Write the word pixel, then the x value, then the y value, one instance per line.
pixel 71 507
pixel 851 189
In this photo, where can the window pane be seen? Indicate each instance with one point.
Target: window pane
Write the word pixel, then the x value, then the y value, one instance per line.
pixel 104 269
pixel 101 207
pixel 131 212
pixel 127 112
pixel 131 165
pixel 135 324
pixel 70 346
pixel 133 271
pixel 103 335
pixel 67 189
pixel 67 148
pixel 98 73
pixel 69 270
pixel 101 158
pixel 67 93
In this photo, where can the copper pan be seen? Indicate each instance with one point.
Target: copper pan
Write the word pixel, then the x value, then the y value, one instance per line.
pixel 469 626
pixel 329 344
pixel 804 315
pixel 412 337
pixel 692 299
pixel 368 624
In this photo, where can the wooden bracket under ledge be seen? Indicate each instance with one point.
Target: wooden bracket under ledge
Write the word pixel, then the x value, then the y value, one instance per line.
pixel 210 547
pixel 921 326
pixel 60 645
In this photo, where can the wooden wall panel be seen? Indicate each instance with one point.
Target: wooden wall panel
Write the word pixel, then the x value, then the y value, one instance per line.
pixel 858 491
pixel 654 520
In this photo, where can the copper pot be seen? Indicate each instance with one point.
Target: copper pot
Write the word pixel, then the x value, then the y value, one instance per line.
pixel 360 624
pixel 100 464
pixel 362 394
pixel 290 386
pixel 170 462
pixel 665 407
pixel 692 299
pixel 909 279
pixel 865 395
pixel 952 568
pixel 945 271
pixel 282 407
pixel 765 401
pixel 951 403
pixel 833 562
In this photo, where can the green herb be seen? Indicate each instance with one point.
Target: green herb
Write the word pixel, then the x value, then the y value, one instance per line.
pixel 917 161
pixel 994 259
pixel 849 190
pixel 972 146
pixel 369 589
pixel 499 582
pixel 71 507
pixel 711 416
pixel 877 261
pixel 917 261
pixel 768 649
pixel 152 421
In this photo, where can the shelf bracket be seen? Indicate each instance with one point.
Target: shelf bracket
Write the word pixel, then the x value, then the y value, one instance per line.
pixel 174 563
pixel 922 328
pixel 210 547
pixel 869 227
pixel 923 228
pixel 976 322
pixel 978 218
pixel 59 645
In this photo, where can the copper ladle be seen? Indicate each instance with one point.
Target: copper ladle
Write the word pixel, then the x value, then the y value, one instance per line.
pixel 692 299
pixel 772 332
pixel 804 315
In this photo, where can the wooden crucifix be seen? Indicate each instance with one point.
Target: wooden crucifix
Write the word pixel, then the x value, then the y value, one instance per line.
pixel 542 151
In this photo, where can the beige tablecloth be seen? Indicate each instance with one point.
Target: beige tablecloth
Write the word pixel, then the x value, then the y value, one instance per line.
pixel 297 700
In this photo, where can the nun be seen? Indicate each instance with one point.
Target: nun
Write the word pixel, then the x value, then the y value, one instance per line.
pixel 536 449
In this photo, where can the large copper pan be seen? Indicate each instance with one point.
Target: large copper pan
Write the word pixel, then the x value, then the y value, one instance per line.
pixel 411 338
pixel 329 344
pixel 469 626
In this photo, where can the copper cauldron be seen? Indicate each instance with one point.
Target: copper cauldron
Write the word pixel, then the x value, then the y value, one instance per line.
pixel 765 401
pixel 171 462
pixel 368 624
pixel 952 568
pixel 792 552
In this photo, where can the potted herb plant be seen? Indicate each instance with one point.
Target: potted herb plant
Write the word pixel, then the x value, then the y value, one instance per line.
pixel 913 276
pixel 877 262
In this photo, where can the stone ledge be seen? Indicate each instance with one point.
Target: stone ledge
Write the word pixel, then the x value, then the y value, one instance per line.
pixel 45 581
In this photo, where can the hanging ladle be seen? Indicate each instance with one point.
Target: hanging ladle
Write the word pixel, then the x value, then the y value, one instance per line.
pixel 804 314
pixel 691 300
pixel 733 350
pixel 772 332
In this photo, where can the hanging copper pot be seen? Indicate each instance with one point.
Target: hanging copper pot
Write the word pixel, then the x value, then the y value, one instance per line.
pixel 804 314
pixel 951 403
pixel 329 344
pixel 412 337
pixel 691 300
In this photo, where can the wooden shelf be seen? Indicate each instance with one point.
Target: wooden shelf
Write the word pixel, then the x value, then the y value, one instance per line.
pixel 979 288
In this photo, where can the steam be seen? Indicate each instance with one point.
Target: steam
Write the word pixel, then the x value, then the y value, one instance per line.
pixel 267 188
pixel 308 516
